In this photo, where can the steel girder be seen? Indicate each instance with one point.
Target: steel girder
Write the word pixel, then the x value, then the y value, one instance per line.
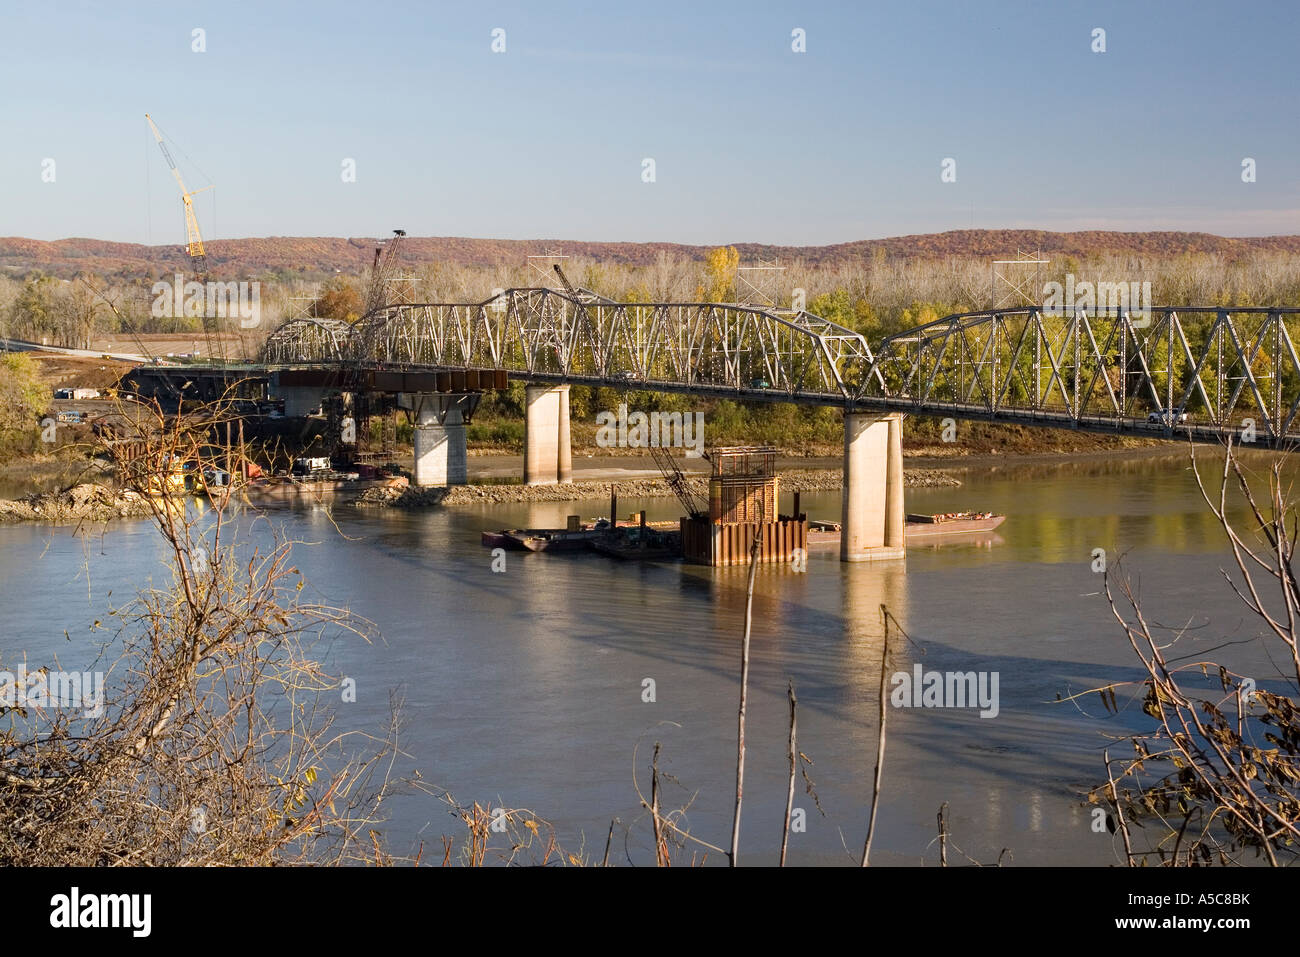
pixel 1102 367
pixel 310 340
pixel 553 334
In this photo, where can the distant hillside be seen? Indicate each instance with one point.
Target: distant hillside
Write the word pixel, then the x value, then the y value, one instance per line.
pixel 313 257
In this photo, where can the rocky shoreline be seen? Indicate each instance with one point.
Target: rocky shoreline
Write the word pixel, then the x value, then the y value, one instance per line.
pixel 102 503
pixel 818 480
pixel 81 503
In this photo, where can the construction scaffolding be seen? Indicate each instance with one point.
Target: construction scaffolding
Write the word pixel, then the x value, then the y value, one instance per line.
pixel 1017 282
pixel 743 496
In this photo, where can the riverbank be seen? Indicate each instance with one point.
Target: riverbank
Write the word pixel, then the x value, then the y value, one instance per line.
pixel 813 480
pixel 81 503
pixel 49 472
pixel 495 481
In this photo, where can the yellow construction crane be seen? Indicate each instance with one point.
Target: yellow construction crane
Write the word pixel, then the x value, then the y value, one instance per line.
pixel 194 243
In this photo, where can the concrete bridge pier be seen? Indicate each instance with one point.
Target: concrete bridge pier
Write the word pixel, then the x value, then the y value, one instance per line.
pixel 441 456
pixel 300 400
pixel 872 517
pixel 548 455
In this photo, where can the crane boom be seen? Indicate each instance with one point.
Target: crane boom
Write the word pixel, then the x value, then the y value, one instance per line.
pixel 193 243
pixel 386 257
pixel 677 481
pixel 194 240
pixel 568 286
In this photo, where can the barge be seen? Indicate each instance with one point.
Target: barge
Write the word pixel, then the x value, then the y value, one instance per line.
pixel 578 536
pixel 920 529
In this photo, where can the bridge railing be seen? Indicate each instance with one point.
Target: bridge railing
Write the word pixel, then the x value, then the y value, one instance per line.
pixel 547 332
pixel 1226 368
pixel 310 340
pixel 1216 368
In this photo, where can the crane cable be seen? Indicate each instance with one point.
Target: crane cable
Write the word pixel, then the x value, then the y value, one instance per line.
pixel 190 163
pixel 215 343
pixel 148 189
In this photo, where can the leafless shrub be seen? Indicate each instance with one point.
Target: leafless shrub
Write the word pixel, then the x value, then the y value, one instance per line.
pixel 216 744
pixel 502 835
pixel 1216 779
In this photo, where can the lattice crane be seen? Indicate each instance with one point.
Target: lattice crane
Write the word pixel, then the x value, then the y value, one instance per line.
pixel 193 240
pixel 678 482
pixel 381 271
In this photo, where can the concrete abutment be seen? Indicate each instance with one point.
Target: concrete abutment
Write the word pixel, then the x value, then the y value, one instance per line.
pixel 872 525
pixel 548 454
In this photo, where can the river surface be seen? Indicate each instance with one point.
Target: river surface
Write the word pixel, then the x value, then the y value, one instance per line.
pixel 526 687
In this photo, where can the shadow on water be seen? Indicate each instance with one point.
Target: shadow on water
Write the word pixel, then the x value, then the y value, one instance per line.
pixel 529 684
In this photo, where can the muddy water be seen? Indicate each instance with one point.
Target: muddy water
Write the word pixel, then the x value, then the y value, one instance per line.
pixel 527 686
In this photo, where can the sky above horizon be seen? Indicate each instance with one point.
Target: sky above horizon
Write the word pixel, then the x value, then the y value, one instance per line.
pixel 750 140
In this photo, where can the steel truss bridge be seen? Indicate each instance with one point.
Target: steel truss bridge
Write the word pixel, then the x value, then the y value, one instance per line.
pixel 1104 370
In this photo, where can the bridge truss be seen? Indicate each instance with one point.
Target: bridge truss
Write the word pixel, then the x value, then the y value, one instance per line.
pixel 1204 370
pixel 1108 369
pixel 547 334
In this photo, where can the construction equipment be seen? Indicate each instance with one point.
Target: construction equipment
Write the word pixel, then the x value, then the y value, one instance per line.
pixel 677 481
pixel 381 271
pixel 193 243
pixel 581 293
pixel 568 286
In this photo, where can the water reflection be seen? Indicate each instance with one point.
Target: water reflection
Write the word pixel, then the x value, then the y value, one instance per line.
pixel 528 684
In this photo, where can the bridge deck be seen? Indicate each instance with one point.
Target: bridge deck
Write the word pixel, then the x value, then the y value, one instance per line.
pixel 1234 371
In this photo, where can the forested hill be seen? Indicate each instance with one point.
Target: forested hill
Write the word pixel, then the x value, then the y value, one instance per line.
pixel 315 257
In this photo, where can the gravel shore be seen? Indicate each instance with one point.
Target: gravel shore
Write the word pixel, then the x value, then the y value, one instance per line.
pixel 102 503
pixel 819 480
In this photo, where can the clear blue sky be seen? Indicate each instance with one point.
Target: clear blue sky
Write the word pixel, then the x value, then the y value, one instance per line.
pixel 751 141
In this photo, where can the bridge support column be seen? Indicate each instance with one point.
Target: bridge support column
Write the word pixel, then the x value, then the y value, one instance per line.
pixel 441 456
pixel 299 400
pixel 872 517
pixel 548 455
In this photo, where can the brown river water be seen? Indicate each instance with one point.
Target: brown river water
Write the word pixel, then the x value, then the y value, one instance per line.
pixel 525 687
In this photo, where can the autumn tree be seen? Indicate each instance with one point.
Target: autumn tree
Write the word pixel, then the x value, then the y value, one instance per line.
pixel 80 310
pixel 338 299
pixel 667 278
pixel 32 315
pixel 720 275
pixel 22 399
